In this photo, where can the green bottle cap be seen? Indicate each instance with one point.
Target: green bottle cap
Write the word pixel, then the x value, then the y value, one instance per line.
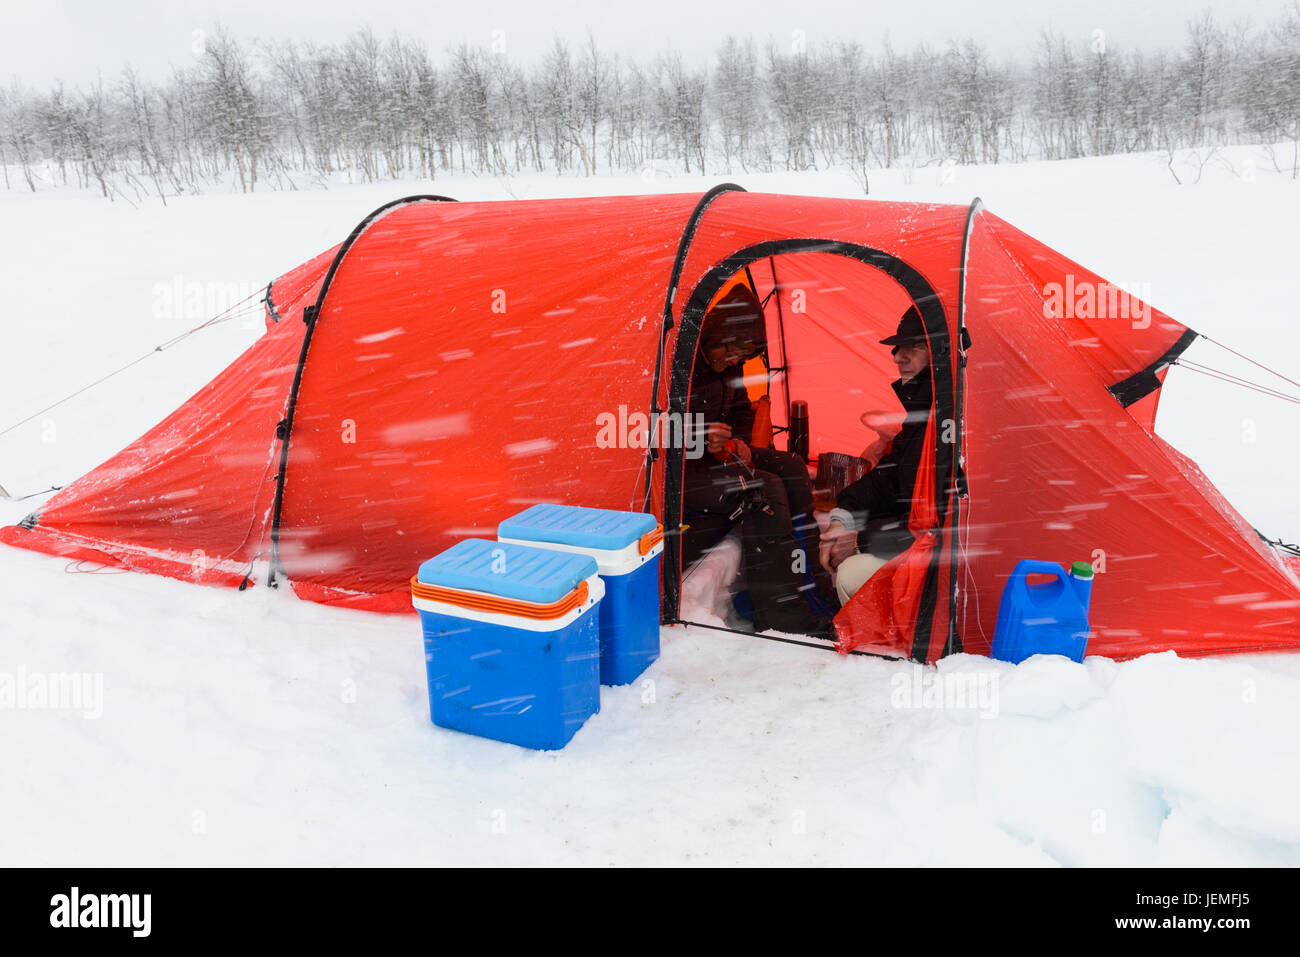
pixel 1081 570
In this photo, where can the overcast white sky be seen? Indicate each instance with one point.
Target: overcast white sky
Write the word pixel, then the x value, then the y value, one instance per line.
pixel 74 40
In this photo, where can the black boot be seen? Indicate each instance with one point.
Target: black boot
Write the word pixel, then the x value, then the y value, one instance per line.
pixel 824 600
pixel 779 593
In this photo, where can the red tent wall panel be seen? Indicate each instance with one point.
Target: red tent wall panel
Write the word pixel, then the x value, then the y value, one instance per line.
pixel 1117 334
pixel 191 497
pixel 459 366
pixel 1058 470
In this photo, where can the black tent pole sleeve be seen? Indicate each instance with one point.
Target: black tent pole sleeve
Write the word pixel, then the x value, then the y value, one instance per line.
pixel 284 428
pixel 679 261
pixel 958 485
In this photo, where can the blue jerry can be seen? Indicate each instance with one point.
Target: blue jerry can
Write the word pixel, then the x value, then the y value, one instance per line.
pixel 1050 618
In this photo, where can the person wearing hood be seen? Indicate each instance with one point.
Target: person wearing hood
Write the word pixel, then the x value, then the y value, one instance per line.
pixel 869 524
pixel 768 493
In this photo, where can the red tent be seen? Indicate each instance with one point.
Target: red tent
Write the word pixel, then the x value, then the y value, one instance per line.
pixel 451 363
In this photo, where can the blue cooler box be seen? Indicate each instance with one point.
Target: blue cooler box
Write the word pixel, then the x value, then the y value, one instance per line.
pixel 511 641
pixel 626 547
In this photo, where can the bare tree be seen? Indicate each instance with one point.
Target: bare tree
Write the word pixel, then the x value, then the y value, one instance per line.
pixel 680 105
pixel 229 97
pixel 735 96
pixel 368 109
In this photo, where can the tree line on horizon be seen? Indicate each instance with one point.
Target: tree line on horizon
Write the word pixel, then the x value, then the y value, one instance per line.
pixel 294 114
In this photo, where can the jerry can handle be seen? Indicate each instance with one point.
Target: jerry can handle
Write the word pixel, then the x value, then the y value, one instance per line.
pixel 1030 566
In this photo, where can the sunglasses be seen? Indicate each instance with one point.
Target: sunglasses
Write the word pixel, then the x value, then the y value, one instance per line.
pixel 742 348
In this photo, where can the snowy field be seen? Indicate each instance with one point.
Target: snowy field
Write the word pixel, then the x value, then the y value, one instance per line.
pixel 252 728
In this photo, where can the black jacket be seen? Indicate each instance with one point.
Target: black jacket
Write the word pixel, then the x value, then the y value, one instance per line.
pixel 721 397
pixel 882 499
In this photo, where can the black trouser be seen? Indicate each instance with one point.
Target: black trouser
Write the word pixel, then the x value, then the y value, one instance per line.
pixel 780 539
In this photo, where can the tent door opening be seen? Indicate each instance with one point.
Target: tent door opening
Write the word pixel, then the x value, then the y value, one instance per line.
pixel 826 306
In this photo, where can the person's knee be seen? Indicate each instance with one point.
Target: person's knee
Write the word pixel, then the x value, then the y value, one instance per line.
pixel 785 464
pixel 855 571
pixel 794 476
pixel 773 491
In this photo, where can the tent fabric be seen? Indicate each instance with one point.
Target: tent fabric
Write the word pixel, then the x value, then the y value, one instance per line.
pixel 1116 332
pixel 189 499
pixel 288 295
pixel 471 359
pixel 1057 468
pixel 460 363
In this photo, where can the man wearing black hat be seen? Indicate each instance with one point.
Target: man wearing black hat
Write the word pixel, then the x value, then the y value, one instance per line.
pixel 869 523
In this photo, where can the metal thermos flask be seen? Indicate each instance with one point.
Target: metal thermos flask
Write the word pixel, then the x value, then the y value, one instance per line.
pixel 799 429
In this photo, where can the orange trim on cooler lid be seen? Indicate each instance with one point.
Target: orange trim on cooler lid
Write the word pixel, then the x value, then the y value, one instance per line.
pixel 478 601
pixel 652 538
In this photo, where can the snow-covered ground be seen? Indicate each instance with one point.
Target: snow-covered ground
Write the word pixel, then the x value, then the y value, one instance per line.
pixel 255 728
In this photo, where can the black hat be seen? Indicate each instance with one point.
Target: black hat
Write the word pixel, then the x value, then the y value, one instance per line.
pixel 911 330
